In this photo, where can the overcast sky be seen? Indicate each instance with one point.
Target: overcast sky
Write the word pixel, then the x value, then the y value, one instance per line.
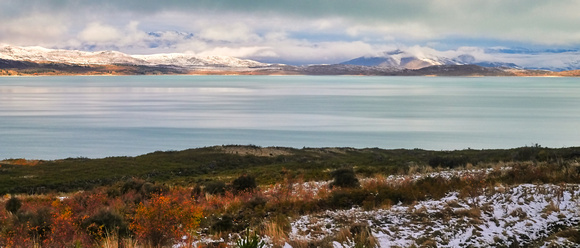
pixel 288 31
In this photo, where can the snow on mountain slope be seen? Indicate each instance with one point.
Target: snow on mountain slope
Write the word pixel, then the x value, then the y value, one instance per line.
pixel 40 54
pixel 185 60
pixel 408 59
pixel 417 57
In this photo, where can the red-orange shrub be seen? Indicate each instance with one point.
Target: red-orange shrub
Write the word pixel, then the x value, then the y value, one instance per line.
pixel 65 230
pixel 164 219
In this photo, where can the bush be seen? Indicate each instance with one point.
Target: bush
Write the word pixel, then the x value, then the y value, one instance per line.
pixel 106 223
pixel 165 219
pixel 244 183
pixel 37 223
pixel 346 198
pixel 345 178
pixel 13 205
pixel 448 161
pixel 147 189
pixel 215 188
pixel 132 184
pixel 224 223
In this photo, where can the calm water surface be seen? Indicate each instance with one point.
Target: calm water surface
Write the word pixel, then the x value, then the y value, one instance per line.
pixel 59 117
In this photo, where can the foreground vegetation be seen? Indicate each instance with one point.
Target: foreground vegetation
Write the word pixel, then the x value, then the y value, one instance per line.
pixel 213 196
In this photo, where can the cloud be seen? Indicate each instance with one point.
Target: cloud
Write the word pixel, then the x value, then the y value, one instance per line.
pixel 241 52
pixel 236 32
pixel 98 33
pixel 33 29
pixel 303 52
pixel 299 30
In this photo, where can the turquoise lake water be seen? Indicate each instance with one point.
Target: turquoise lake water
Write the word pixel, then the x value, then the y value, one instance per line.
pixel 60 117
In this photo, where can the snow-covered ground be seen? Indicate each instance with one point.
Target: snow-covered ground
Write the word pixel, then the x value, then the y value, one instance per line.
pixel 523 214
pixel 526 215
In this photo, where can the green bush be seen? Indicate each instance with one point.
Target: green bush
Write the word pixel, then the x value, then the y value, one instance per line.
pixel 13 205
pixel 147 189
pixel 215 188
pixel 104 223
pixel 448 161
pixel 244 183
pixel 345 178
pixel 224 223
pixel 132 184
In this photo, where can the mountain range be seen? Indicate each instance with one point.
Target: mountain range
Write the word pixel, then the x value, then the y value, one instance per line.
pixel 420 57
pixel 414 61
pixel 43 55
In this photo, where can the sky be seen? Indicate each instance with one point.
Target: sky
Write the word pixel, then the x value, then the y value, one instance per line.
pixel 288 31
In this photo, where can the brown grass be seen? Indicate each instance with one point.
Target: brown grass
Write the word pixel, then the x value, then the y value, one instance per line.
pixel 550 208
pixel 276 233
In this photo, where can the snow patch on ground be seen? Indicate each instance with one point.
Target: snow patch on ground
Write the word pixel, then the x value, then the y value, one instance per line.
pixel 521 214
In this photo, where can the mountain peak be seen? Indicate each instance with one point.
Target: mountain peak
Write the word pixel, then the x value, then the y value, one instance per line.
pixel 40 54
pixel 421 57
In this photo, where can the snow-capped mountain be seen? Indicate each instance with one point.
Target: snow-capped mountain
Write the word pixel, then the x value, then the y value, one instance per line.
pixel 403 59
pixel 419 57
pixel 40 54
pixel 187 60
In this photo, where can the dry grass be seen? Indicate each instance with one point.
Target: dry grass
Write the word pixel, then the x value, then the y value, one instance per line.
pixel 473 213
pixel 519 212
pixel 276 233
pixel 359 234
pixel 550 208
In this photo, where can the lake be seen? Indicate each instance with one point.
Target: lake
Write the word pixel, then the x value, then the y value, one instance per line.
pixel 100 116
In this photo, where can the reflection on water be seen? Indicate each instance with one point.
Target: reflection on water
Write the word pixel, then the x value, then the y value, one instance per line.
pixel 57 117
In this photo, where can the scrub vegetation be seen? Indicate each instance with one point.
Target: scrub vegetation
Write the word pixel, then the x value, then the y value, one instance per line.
pixel 249 196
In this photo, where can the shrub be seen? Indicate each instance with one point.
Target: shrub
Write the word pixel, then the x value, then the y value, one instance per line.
pixel 13 205
pixel 347 198
pixel 215 188
pixel 222 224
pixel 164 219
pixel 244 183
pixel 37 223
pixel 448 161
pixel 147 189
pixel 64 231
pixel 196 191
pixel 106 223
pixel 132 184
pixel 345 178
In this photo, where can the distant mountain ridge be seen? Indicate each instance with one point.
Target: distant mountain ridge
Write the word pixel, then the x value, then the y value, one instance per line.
pixel 40 54
pixel 408 60
pixel 519 58
pixel 16 60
